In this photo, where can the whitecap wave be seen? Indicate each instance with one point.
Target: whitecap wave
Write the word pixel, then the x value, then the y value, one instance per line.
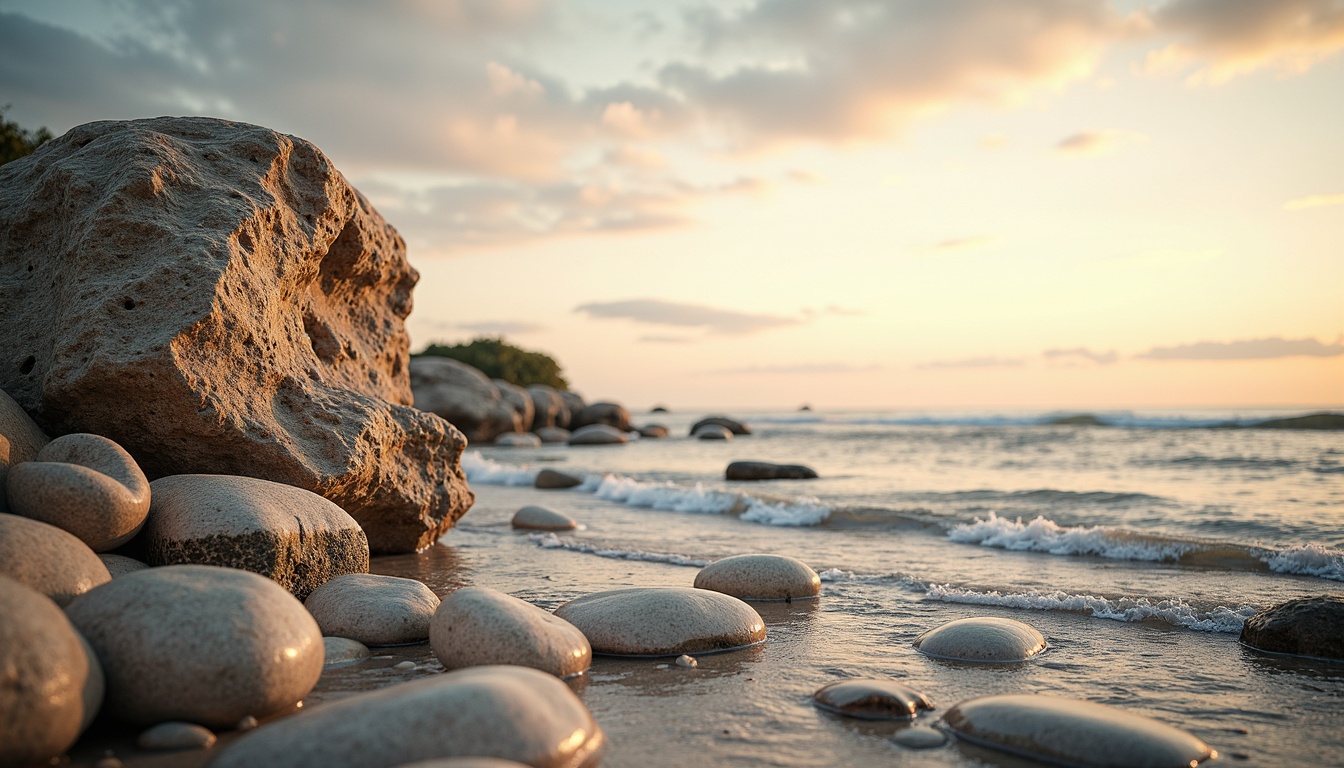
pixel 479 469
pixel 1044 535
pixel 552 541
pixel 669 497
pixel 1173 611
pixel 1308 560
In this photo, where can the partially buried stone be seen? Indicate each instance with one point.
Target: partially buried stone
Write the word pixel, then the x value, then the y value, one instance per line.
pixel 342 651
pixel 293 536
pixel 120 565
pixel 518 440
pixel 1307 626
pixel 597 434
pixel 655 431
pixel 760 577
pixel 48 559
pixel 713 432
pixel 542 519
pixel 174 735
pixel 663 621
pixel 919 737
pixel 374 609
pixel 84 484
pixel 477 626
pixel 982 639
pixel 199 643
pixel 551 479
pixel 871 699
pixel 1074 732
pixel 506 712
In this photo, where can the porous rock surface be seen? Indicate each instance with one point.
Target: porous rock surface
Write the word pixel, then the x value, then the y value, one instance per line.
pixel 519 399
pixel 764 470
pixel 199 643
pixel 292 536
pixel 20 440
pixel 251 299
pixel 48 559
pixel 1065 731
pixel 50 684
pixel 374 609
pixel 760 577
pixel 982 639
pixel 506 712
pixel 1307 626
pixel 871 699
pixel 663 621
pixel 477 626
pixel 463 396
pixel 84 484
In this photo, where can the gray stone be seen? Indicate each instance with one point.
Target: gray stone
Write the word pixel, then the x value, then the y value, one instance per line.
pixel 1074 732
pixel 342 651
pixel 20 440
pixel 542 519
pixel 573 404
pixel 762 470
pixel 373 609
pixel 463 396
pixel 476 626
pixel 518 440
pixel 175 735
pixel 1307 626
pixel 654 431
pixel 663 621
pixel 51 686
pixel 293 536
pixel 732 425
pixel 120 565
pixel 548 408
pixel 84 484
pixel 519 399
pixel 464 762
pixel 216 298
pixel 553 434
pixel 760 577
pixel 550 479
pixel 597 434
pixel 611 414
pixel 983 639
pixel 506 712
pixel 871 699
pixel 199 643
pixel 919 737
pixel 713 432
pixel 48 559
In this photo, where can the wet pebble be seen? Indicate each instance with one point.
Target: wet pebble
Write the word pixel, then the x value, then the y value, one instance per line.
pixel 760 577
pixel 919 737
pixel 983 639
pixel 476 626
pixel 871 699
pixel 663 621
pixel 175 735
pixel 374 609
pixel 341 651
pixel 687 661
pixel 403 666
pixel 542 519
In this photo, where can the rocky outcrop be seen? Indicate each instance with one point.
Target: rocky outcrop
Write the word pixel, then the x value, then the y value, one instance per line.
pixel 611 414
pixel 464 396
pixel 519 399
pixel 1307 626
pixel 20 440
pixel 763 470
pixel 574 403
pixel 732 425
pixel 549 409
pixel 248 296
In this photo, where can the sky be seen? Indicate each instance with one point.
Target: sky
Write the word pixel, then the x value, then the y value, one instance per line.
pixel 1037 204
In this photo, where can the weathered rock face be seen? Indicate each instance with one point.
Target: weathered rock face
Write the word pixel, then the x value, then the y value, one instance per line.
pixel 1307 626
pixel 248 296
pixel 464 396
pixel 519 398
pixel 20 440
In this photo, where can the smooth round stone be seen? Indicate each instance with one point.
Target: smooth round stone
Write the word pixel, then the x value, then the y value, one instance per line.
pixel 373 609
pixel 663 621
pixel 505 712
pixel 476 626
pixel 1074 732
pixel 20 440
pixel 199 643
pixel 1307 626
pixel 174 735
pixel 342 651
pixel 760 577
pixel 542 519
pixel 984 638
pixel 597 434
pixel 48 559
pixel 871 699
pixel 120 565
pixel 713 432
pixel 552 434
pixel 654 431
pixel 732 425
pixel 518 440
pixel 84 484
pixel 464 762
pixel 549 478
pixel 763 470
pixel 688 662
pixel 919 737
pixel 51 685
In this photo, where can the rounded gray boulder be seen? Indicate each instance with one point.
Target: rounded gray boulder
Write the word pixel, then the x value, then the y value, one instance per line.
pixel 20 440
pixel 663 621
pixel 542 519
pixel 982 639
pixel 1307 626
pixel 732 425
pixel 760 577
pixel 476 626
pixel 48 559
pixel 374 609
pixel 713 432
pixel 597 434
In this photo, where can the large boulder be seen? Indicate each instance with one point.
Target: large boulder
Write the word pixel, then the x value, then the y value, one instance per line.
pixel 1307 626
pixel 548 409
pixel 573 404
pixel 48 559
pixel 20 440
pixel 611 414
pixel 291 536
pixel 519 399
pixel 464 396
pixel 216 298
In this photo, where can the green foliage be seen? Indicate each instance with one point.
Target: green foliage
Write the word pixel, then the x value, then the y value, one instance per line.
pixel 498 359
pixel 15 142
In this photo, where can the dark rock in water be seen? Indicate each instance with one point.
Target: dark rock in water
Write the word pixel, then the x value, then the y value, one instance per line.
pixel 732 425
pixel 548 409
pixel 659 409
pixel 573 403
pixel 549 478
pixel 552 434
pixel 762 470
pixel 655 431
pixel 713 432
pixel 871 699
pixel 463 396
pixel 1324 420
pixel 1077 420
pixel 1307 626
pixel 597 434
pixel 520 399
pixel 611 414
pixel 804 407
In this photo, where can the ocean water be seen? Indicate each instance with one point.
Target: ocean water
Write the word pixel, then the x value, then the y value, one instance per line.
pixel 1138 550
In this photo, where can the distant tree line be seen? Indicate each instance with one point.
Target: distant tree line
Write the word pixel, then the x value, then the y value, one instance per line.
pixel 498 359
pixel 15 142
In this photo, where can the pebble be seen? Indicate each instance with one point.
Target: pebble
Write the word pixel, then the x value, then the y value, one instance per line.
pixel 688 662
pixel 871 699
pixel 663 621
pixel 246 724
pixel 713 432
pixel 982 639
pixel 174 735
pixel 375 610
pixel 760 577
pixel 919 737
pixel 477 626
pixel 342 651
pixel 120 565
pixel 542 519
pixel 403 666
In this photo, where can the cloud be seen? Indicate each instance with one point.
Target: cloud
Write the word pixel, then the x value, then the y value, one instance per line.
pixel 664 340
pixel 973 362
pixel 801 369
pixel 1249 349
pixel 1222 39
pixel 964 243
pixel 1097 142
pixel 659 312
pixel 1313 201
pixel 1100 358
pixel 501 327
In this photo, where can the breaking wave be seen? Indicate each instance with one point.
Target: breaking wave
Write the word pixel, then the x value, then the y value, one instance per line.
pixel 1172 611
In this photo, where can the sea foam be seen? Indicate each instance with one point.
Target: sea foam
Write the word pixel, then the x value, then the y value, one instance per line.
pixel 479 469
pixel 669 497
pixel 1175 612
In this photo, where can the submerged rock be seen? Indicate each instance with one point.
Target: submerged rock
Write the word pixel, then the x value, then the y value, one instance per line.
pixel 342 651
pixel 506 712
pixel 51 686
pixel 374 609
pixel 762 470
pixel 597 434
pixel 175 735
pixel 462 395
pixel 871 699
pixel 48 559
pixel 713 432
pixel 919 737
pixel 542 519
pixel 983 639
pixel 1307 626
pixel 1074 732
pixel 476 626
pixel 199 643
pixel 663 621
pixel 253 303
pixel 760 577
pixel 732 425
pixel 549 478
